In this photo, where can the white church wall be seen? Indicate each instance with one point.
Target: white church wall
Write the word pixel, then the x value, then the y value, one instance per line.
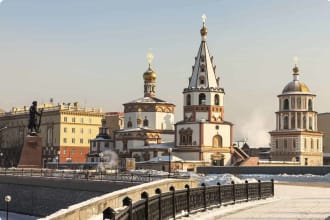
pixel 131 144
pixel 167 138
pixel 210 131
pixel 202 116
pixel 187 155
pixel 164 121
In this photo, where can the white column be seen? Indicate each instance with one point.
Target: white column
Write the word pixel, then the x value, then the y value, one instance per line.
pixel 296 120
pixel 289 121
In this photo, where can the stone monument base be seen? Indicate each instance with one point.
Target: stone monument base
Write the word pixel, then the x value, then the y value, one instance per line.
pixel 31 156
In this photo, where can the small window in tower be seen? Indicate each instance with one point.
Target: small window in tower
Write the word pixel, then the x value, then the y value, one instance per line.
pixel 145 122
pixel 201 99
pixel 216 99
pixel 201 80
pixel 129 124
pixel 217 127
pixel 310 105
pixel 286 122
pixel 188 99
pixel 286 104
pixel 310 123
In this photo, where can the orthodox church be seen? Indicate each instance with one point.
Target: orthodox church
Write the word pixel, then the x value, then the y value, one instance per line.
pixel 203 134
pixel 296 138
pixel 148 121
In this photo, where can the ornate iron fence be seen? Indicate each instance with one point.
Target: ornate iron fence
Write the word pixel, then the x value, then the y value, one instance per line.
pixel 184 202
pixel 86 175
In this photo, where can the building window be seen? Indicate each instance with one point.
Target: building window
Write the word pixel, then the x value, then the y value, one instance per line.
pixel 305 144
pixel 310 105
pixel 299 102
pixel 64 140
pixel 201 80
pixel 129 124
pixel 81 140
pixel 81 120
pixel 89 130
pixel 285 143
pixel 286 104
pixel 73 130
pixel 65 119
pixel 304 123
pixel 293 122
pixel 216 99
pixel 201 99
pixel 65 130
pixel 286 122
pixel 276 144
pixel 185 136
pixel 310 123
pixel 73 151
pixel 145 122
pixel 73 140
pixel 188 99
pixel 73 120
pixel 90 121
pixel 217 141
pixel 81 130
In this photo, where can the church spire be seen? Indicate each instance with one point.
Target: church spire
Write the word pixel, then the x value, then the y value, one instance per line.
pixel 203 73
pixel 295 70
pixel 149 78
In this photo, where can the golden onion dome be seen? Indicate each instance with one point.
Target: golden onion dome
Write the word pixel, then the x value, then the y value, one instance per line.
pixel 149 74
pixel 204 31
pixel 296 86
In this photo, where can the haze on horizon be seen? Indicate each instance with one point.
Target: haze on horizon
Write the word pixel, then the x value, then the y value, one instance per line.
pixel 95 51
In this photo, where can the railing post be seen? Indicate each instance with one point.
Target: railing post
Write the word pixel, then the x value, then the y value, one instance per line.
pixel 145 196
pixel 204 195
pixel 234 191
pixel 128 202
pixel 259 188
pixel 159 192
pixel 188 199
pixel 247 190
pixel 273 191
pixel 172 189
pixel 219 191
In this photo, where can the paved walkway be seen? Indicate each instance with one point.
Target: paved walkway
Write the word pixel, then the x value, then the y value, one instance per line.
pixel 290 202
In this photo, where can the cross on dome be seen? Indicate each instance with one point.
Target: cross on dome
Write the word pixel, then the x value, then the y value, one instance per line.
pixel 150 58
pixel 204 19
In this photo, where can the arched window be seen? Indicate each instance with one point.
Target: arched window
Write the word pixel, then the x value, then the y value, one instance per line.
pixel 201 80
pixel 216 99
pixel 217 141
pixel 201 99
pixel 185 136
pixel 310 123
pixel 286 122
pixel 145 122
pixel 129 124
pixel 286 104
pixel 310 105
pixel 293 122
pixel 188 99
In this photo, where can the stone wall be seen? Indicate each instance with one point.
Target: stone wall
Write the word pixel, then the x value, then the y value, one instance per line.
pixel 96 206
pixel 43 196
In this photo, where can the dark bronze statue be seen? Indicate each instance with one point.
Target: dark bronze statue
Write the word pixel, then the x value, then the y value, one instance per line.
pixel 34 124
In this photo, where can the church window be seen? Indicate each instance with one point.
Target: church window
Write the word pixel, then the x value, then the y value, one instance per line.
pixel 201 99
pixel 185 136
pixel 304 122
pixel 312 144
pixel 299 120
pixel 285 143
pixel 129 123
pixel 202 68
pixel 286 104
pixel 294 144
pixel 293 102
pixel 73 140
pixel 310 123
pixel 201 80
pixel 145 122
pixel 125 145
pixel 286 122
pixel 276 144
pixel 216 99
pixel 293 122
pixel 217 141
pixel 73 130
pixel 188 99
pixel 310 105
pixel 299 102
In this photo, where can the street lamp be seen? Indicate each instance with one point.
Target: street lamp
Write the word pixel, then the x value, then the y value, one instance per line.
pixel 7 200
pixel 169 161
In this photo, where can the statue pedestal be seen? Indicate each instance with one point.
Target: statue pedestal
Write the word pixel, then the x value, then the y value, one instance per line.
pixel 31 156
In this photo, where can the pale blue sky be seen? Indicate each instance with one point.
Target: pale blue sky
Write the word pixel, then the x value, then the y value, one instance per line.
pixel 93 51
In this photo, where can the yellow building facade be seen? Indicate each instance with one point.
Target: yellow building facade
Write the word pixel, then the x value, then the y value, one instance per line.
pixel 66 130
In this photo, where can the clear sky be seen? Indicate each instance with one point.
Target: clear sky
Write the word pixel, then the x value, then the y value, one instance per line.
pixel 93 51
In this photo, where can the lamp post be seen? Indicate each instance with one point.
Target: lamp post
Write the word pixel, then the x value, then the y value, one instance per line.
pixel 169 161
pixel 7 200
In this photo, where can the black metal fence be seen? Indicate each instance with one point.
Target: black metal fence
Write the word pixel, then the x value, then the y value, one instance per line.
pixel 184 202
pixel 86 175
